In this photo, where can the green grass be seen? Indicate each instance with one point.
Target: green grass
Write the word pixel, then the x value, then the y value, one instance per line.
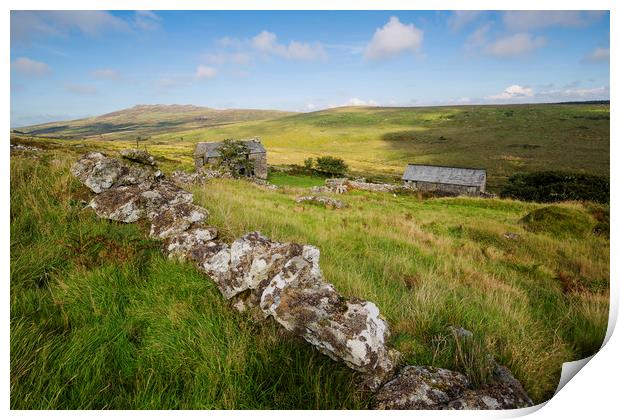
pixel 380 141
pixel 99 319
pixel 290 180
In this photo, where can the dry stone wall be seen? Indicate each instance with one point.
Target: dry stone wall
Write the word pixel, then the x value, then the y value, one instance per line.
pixel 281 280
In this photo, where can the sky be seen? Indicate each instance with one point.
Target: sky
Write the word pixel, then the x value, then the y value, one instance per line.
pixel 73 64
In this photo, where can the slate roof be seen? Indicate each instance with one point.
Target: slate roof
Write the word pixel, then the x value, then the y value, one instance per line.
pixel 210 149
pixel 445 175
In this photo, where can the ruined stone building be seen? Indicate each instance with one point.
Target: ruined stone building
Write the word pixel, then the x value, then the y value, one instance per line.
pixel 207 154
pixel 445 179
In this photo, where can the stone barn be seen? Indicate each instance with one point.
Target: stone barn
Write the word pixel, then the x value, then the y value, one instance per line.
pixel 445 179
pixel 207 154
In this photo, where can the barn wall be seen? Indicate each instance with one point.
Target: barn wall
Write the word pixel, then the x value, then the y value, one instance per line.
pixel 444 188
pixel 260 165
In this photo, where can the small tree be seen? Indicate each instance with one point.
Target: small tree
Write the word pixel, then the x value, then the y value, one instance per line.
pixel 308 163
pixel 330 165
pixel 235 158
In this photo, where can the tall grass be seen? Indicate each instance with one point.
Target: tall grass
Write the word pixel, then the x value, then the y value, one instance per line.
pixel 100 320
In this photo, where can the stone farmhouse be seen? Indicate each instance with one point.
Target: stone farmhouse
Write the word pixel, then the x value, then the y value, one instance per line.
pixel 445 179
pixel 207 154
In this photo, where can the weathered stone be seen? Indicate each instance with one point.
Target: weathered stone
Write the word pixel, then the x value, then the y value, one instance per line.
pixel 99 173
pixel 504 392
pixel 420 388
pixel 162 195
pixel 96 171
pixel 326 201
pixel 348 330
pixel 181 245
pixel 120 203
pixel 175 219
pixel 254 260
pixel 460 332
pixel 139 156
pixel 187 178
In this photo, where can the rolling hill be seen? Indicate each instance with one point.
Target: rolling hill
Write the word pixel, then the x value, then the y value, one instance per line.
pixel 146 120
pixel 374 141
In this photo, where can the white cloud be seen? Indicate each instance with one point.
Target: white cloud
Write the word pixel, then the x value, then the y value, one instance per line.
pixel 599 54
pixel 517 44
pixel 267 43
pixel 30 68
pixel 205 72
pixel 393 39
pixel 477 38
pixel 146 20
pixel 461 18
pixel 355 102
pixel 310 107
pixel 106 74
pixel 85 90
pixel 26 25
pixel 526 20
pixel 512 92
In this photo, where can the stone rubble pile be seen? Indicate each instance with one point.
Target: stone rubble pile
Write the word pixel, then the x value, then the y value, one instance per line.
pixel 281 280
pixel 318 199
pixel 343 185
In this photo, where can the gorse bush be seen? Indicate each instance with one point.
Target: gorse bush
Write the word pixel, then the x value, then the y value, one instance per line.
pixel 330 165
pixel 553 186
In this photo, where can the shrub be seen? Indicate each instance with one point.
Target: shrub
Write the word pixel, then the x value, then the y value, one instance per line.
pixel 330 165
pixel 308 163
pixel 235 158
pixel 558 221
pixel 552 186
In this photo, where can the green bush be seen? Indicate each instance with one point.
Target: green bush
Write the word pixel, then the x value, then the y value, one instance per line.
pixel 235 158
pixel 553 186
pixel 558 221
pixel 330 165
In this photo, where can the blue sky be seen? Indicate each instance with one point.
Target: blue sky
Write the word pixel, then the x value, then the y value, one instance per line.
pixel 73 64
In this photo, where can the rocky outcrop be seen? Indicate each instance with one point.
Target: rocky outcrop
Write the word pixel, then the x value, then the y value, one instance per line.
pixel 283 281
pixel 325 201
pixel 139 156
pixel 421 388
pixel 428 388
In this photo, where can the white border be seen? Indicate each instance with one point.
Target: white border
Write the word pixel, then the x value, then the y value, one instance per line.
pixel 592 394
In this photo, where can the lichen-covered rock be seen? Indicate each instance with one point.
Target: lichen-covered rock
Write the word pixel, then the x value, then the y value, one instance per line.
pixel 420 388
pixel 326 201
pixel 122 204
pixel 504 392
pixel 175 219
pixel 347 330
pixel 181 245
pixel 99 173
pixel 139 156
pixel 162 195
pixel 189 178
pixel 253 261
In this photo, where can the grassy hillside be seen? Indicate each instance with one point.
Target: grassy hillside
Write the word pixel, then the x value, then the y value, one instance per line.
pixel 100 320
pixel 146 120
pixel 381 141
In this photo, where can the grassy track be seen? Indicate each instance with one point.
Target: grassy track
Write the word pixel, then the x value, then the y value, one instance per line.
pixel 100 320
